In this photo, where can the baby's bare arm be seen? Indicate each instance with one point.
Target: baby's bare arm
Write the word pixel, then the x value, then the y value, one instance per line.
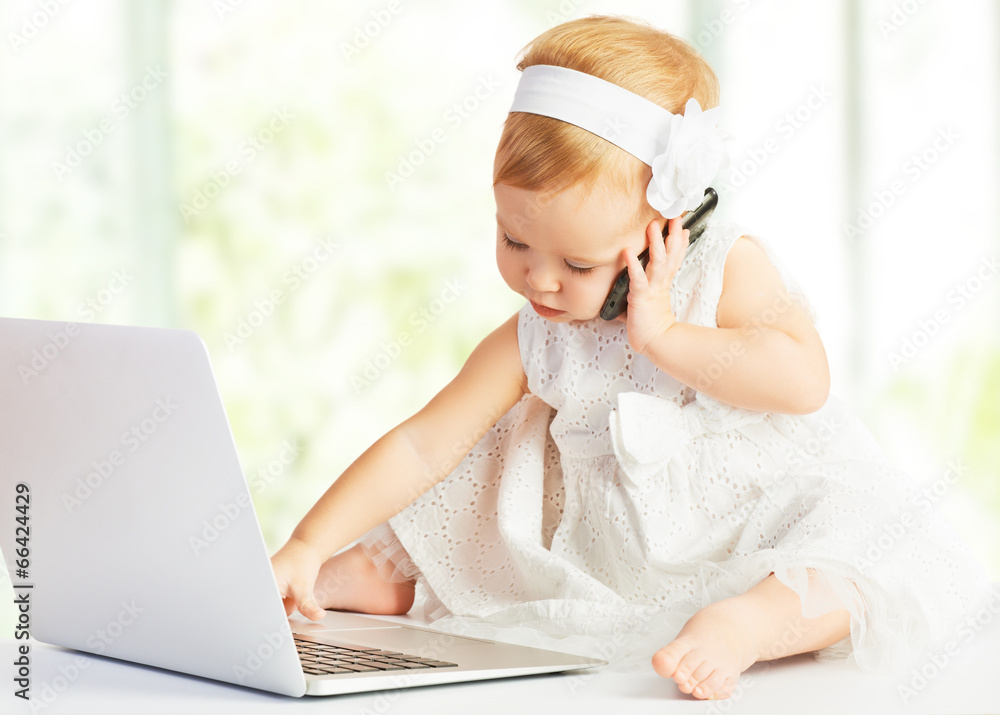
pixel 408 460
pixel 765 355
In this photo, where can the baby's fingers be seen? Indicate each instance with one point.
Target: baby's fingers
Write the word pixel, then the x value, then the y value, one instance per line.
pixel 657 245
pixel 677 243
pixel 636 274
pixel 307 603
pixel 299 594
pixel 665 254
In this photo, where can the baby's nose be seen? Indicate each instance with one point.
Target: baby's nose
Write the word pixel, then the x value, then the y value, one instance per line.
pixel 542 280
pixel 541 276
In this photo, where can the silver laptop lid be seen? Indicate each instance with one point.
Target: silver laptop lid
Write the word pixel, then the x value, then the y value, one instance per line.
pixel 143 541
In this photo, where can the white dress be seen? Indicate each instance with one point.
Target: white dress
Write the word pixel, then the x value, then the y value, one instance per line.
pixel 613 502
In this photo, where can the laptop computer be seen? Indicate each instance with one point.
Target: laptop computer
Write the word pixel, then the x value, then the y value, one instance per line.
pixel 143 543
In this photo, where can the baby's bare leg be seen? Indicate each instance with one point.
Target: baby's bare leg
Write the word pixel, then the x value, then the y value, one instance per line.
pixel 349 581
pixel 722 640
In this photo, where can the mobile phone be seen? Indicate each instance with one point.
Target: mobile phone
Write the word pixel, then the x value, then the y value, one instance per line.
pixel 696 221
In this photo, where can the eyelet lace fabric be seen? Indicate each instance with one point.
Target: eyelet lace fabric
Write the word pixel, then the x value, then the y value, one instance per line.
pixel 612 502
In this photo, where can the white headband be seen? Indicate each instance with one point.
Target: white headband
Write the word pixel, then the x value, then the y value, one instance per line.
pixel 685 151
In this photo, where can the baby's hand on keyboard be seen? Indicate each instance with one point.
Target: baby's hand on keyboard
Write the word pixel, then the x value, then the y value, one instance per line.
pixel 296 565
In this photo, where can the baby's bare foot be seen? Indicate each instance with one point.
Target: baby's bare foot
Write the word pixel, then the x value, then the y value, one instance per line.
pixel 717 644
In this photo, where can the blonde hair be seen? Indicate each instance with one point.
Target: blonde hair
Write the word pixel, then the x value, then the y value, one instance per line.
pixel 540 153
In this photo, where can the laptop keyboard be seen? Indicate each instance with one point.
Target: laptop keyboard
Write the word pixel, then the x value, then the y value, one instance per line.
pixel 326 659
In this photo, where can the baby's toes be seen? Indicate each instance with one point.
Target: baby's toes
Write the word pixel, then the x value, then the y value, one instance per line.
pixel 711 685
pixel 667 658
pixel 692 670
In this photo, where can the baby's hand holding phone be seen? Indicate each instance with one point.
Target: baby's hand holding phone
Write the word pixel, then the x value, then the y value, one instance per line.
pixel 649 313
pixel 296 566
pixel 696 221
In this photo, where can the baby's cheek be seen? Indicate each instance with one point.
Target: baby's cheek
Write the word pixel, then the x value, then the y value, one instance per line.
pixel 596 293
pixel 602 286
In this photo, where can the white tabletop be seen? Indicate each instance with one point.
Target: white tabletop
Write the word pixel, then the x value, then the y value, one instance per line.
pixel 66 681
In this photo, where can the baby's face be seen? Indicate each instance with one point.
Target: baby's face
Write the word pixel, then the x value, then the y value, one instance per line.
pixel 563 251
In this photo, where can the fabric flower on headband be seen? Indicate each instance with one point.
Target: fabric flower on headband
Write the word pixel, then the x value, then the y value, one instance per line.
pixel 696 150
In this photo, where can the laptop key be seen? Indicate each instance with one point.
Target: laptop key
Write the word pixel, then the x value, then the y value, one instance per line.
pixel 428 662
pixel 358 668
pixel 335 671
